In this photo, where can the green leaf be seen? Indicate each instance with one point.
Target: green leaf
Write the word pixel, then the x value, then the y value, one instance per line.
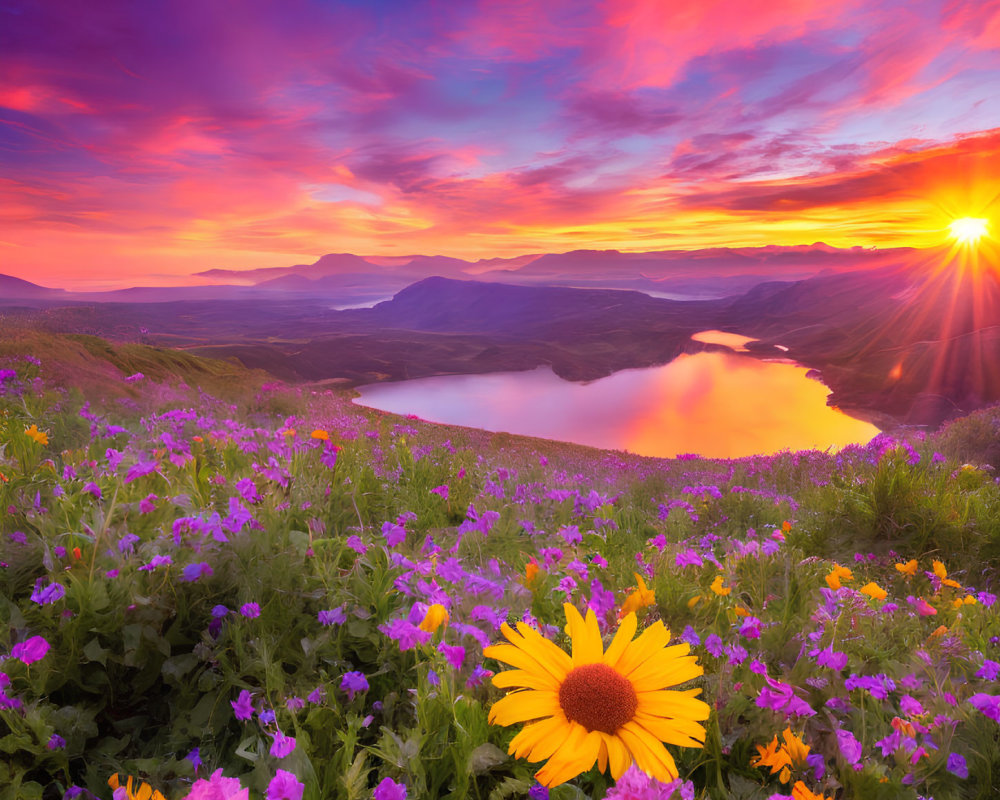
pixel 485 757
pixel 94 652
pixel 176 667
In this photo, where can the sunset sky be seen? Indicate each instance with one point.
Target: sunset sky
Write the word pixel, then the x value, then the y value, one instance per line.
pixel 141 142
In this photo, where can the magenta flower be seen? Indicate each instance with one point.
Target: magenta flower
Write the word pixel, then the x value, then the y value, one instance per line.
pixel 988 704
pixel 781 697
pixel 250 610
pixel 637 785
pixel 146 504
pixel 850 748
pixel 441 490
pixel 282 745
pixel 218 788
pixel 30 650
pixel 455 654
pixel 242 707
pixel 750 628
pixel 355 543
pixel 828 657
pixel 285 786
pixel 406 633
pixel 388 789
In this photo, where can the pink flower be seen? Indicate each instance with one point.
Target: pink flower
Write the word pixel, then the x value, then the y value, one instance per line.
pixel 31 650
pixel 218 788
pixel 285 786
pixel 282 745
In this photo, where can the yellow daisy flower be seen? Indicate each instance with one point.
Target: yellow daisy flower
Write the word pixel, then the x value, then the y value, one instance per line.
pixel 596 705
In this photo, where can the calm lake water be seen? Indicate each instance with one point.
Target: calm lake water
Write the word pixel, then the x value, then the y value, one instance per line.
pixel 718 404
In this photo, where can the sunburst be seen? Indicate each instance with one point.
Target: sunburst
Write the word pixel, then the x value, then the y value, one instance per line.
pixel 968 230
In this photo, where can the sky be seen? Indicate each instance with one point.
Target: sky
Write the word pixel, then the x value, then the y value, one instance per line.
pixel 141 142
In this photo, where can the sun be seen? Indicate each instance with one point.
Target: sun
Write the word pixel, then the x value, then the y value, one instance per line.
pixel 968 230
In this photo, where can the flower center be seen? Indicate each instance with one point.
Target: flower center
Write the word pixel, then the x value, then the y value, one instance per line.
pixel 598 697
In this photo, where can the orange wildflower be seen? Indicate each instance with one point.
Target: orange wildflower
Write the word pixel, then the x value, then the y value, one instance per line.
pixel 802 792
pixel 786 526
pixel 942 573
pixel 322 435
pixel 909 568
pixel 718 588
pixel 640 597
pixel 941 630
pixel 142 791
pixel 782 758
pixel 874 591
pixel 838 574
pixel 42 437
pixel 530 572
pixel 77 553
pixel 436 616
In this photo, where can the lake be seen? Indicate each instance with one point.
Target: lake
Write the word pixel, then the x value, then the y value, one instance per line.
pixel 717 404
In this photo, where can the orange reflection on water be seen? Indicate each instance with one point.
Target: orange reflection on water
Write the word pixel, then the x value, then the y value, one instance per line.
pixel 727 406
pixel 716 404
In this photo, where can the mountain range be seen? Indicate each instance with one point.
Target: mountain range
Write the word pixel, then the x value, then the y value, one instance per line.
pixel 900 337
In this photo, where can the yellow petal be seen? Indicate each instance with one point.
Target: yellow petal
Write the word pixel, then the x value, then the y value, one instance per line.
pixel 654 638
pixel 574 757
pixel 539 740
pixel 678 731
pixel 619 757
pixel 626 630
pixel 650 754
pixel 673 704
pixel 665 670
pixel 522 679
pixel 524 706
pixel 544 651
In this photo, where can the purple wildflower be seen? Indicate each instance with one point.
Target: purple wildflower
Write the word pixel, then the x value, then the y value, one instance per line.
pixel 193 572
pixel 388 789
pixel 850 748
pixel 355 543
pixel 242 707
pixel 713 643
pixel 405 633
pixel 250 610
pixel 958 766
pixel 48 593
pixel 989 670
pixel 333 616
pixel 988 704
pixel 282 745
pixel 353 682
pixel 30 650
pixel 454 653
pixel 441 491
pixel 285 786
pixel 56 742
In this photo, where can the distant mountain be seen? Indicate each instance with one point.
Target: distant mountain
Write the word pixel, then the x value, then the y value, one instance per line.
pixel 715 272
pixel 15 288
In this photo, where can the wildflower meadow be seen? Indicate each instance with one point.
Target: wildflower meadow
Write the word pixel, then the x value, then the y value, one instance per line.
pixel 265 591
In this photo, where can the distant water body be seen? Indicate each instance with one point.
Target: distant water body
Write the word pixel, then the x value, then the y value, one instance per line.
pixel 717 404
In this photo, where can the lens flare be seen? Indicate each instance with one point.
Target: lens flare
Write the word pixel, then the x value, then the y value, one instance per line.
pixel 968 230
